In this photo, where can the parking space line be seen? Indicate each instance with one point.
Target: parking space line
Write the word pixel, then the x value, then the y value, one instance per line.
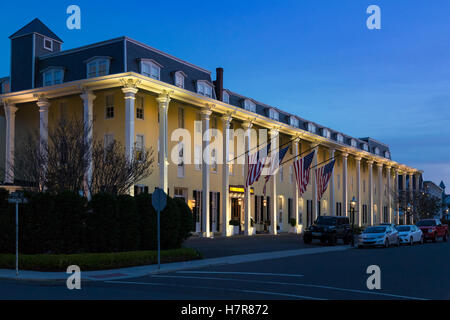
pixel 217 289
pixel 244 273
pixel 295 284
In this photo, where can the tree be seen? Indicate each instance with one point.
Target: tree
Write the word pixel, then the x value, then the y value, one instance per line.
pixel 61 163
pixel 421 205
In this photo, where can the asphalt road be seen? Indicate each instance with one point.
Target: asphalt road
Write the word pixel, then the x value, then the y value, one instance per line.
pixel 418 272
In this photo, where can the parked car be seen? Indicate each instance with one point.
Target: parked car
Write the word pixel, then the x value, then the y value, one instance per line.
pixel 410 234
pixel 384 236
pixel 393 225
pixel 329 228
pixel 433 229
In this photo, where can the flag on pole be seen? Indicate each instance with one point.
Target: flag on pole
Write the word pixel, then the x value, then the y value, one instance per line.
pixel 301 170
pixel 323 175
pixel 274 161
pixel 255 165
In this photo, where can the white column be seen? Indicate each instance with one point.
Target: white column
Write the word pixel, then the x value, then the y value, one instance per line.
pixel 130 97
pixel 206 113
pixel 344 184
pixel 163 103
pixel 380 193
pixel 358 191
pixel 295 153
pixel 370 168
pixel 88 110
pixel 314 185
pixel 397 205
pixel 332 203
pixel 10 114
pixel 247 195
pixel 226 175
pixel 274 137
pixel 43 105
pixel 411 192
pixel 389 202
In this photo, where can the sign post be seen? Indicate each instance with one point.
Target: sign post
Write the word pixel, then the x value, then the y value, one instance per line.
pixel 159 202
pixel 17 197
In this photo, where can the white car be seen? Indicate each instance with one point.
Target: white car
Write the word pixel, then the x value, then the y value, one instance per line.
pixel 410 234
pixel 384 236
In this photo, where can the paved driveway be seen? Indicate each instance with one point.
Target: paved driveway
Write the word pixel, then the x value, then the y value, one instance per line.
pixel 222 247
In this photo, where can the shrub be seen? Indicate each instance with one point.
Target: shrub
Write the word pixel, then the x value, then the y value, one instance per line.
pixel 170 226
pixel 7 223
pixel 147 221
pixel 128 221
pixel 235 223
pixel 186 220
pixel 293 222
pixel 102 223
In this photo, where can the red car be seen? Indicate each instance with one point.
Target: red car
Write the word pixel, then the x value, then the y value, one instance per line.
pixel 433 229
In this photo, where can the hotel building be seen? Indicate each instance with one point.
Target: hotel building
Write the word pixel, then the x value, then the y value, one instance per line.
pixel 139 96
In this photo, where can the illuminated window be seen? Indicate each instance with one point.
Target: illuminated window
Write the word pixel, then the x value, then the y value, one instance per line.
pixel 53 76
pixel 97 67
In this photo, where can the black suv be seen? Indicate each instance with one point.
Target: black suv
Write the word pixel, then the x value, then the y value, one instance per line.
pixel 329 228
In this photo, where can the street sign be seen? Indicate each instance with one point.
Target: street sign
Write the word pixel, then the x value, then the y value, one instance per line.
pixel 159 202
pixel 159 199
pixel 17 197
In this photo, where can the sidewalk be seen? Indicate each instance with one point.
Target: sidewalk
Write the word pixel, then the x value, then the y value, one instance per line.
pixel 135 272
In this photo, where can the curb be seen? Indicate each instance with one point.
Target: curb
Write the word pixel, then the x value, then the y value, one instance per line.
pixel 142 271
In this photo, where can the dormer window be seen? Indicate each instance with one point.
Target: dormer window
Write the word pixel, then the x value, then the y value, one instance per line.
pixel 377 151
pixel 353 143
pixel 204 88
pixel 53 76
pixel 226 97
pixel 249 105
pixel 98 67
pixel 326 133
pixel 365 147
pixel 273 114
pixel 179 79
pixel 311 127
pixel 4 87
pixel 340 138
pixel 151 69
pixel 387 155
pixel 48 44
pixel 293 121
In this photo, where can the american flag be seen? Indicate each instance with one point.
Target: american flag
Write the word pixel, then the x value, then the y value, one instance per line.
pixel 255 166
pixel 301 170
pixel 323 175
pixel 274 165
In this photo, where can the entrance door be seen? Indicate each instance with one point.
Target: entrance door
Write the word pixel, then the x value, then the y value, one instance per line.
pixel 236 210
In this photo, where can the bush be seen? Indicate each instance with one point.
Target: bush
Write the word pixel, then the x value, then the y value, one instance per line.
pixel 95 261
pixel 7 224
pixel 293 222
pixel 170 226
pixel 128 220
pixel 102 223
pixel 147 221
pixel 235 223
pixel 186 220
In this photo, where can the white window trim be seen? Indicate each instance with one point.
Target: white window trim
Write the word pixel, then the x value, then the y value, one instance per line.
pixel 225 94
pixel 326 133
pixel 340 138
pixel 353 143
pixel 97 61
pixel 274 114
pixel 206 85
pixel 293 121
pixel 151 63
pixel 377 151
pixel 311 127
pixel 365 147
pixel 52 71
pixel 183 77
pixel 51 44
pixel 249 105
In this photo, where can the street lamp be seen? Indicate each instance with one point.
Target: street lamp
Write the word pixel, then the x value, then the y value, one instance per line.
pixel 352 212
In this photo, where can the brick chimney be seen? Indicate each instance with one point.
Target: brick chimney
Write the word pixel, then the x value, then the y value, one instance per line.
pixel 219 84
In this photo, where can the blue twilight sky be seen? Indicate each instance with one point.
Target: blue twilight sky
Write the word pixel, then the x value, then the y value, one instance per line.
pixel 313 58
